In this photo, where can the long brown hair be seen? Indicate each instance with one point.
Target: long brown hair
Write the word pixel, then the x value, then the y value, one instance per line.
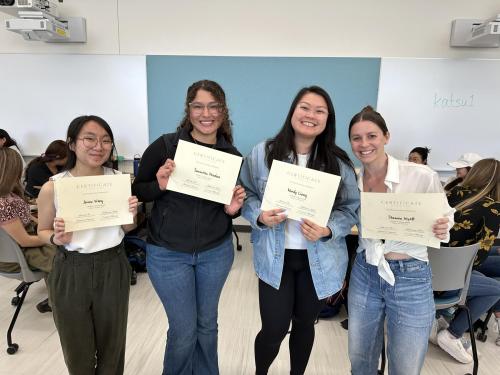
pixel 484 177
pixel 11 169
pixel 218 93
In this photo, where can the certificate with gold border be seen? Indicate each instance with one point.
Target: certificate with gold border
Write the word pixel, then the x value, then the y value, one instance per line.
pixel 204 172
pixel 406 217
pixel 303 192
pixel 93 201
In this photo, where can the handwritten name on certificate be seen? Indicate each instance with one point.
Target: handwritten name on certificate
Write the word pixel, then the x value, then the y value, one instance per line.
pixel 93 201
pixel 406 217
pixel 303 192
pixel 204 172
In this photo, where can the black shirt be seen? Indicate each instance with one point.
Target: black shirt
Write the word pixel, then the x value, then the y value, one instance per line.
pixel 36 175
pixel 178 221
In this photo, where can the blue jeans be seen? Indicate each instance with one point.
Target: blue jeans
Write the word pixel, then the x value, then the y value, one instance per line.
pixel 483 293
pixel 189 287
pixel 408 307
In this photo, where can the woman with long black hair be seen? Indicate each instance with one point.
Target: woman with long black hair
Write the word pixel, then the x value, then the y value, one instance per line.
pixel 299 263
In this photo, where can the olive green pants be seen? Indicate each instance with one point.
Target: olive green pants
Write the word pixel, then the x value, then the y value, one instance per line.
pixel 38 258
pixel 89 294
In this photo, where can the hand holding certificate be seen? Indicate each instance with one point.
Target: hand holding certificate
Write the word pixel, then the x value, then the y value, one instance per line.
pixel 93 201
pixel 406 217
pixel 204 172
pixel 303 192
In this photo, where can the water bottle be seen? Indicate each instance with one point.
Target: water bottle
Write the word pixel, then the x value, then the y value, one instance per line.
pixel 137 160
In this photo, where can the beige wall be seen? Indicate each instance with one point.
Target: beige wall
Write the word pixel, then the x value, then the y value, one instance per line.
pixel 385 28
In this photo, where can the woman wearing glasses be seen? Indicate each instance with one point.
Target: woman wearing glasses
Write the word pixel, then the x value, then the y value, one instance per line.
pixel 90 279
pixel 299 263
pixel 190 246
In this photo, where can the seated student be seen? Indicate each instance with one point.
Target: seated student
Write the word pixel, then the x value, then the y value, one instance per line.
pixel 7 141
pixel 463 165
pixel 419 155
pixel 477 204
pixel 15 219
pixel 40 169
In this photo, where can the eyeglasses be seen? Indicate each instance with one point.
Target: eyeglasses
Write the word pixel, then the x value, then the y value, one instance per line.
pixel 198 108
pixel 91 142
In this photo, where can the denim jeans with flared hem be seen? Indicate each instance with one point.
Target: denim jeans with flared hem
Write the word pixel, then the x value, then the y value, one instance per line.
pixel 189 287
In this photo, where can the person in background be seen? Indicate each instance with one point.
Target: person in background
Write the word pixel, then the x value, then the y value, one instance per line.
pixel 190 245
pixel 16 220
pixel 390 280
pixel 90 279
pixel 477 220
pixel 7 141
pixel 419 155
pixel 40 169
pixel 299 263
pixel 462 166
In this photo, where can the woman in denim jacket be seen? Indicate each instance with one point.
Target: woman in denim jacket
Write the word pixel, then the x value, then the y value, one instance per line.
pixel 299 264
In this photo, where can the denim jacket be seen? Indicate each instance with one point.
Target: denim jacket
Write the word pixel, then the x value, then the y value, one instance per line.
pixel 327 257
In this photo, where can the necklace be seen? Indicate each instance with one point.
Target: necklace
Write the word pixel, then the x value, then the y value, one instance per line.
pixel 209 145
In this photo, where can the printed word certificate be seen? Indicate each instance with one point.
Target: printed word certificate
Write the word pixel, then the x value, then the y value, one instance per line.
pixel 406 217
pixel 93 201
pixel 204 172
pixel 303 192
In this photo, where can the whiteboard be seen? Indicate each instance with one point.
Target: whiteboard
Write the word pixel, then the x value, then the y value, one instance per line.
pixel 41 94
pixel 451 106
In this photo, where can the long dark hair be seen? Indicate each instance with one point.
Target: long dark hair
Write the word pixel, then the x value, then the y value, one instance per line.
pixel 8 140
pixel 218 93
pixel 324 151
pixel 74 130
pixel 56 150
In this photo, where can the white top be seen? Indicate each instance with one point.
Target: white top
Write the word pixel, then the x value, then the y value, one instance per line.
pixel 403 177
pixel 92 240
pixel 294 239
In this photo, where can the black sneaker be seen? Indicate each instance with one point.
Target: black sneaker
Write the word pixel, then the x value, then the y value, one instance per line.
pixel 44 306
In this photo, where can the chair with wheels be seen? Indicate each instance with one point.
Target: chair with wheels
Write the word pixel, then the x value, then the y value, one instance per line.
pixel 451 270
pixel 11 252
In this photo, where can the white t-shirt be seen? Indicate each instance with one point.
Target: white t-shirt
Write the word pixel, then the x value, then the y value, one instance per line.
pixel 403 177
pixel 92 240
pixel 294 239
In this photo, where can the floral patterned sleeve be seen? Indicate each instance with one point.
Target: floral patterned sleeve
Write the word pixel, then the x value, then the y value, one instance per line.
pixel 490 228
pixel 11 208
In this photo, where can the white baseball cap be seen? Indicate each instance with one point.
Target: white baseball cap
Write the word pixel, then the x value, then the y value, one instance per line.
pixel 465 160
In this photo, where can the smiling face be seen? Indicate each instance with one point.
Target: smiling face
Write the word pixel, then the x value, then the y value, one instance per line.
pixel 93 145
pixel 310 115
pixel 368 142
pixel 206 117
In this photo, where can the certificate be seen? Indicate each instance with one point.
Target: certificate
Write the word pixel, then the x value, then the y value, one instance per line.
pixel 204 172
pixel 406 217
pixel 303 192
pixel 93 201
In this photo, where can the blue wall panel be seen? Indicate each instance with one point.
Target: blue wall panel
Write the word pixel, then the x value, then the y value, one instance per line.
pixel 259 90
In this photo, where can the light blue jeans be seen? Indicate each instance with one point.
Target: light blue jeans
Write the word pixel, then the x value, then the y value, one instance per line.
pixel 189 287
pixel 408 307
